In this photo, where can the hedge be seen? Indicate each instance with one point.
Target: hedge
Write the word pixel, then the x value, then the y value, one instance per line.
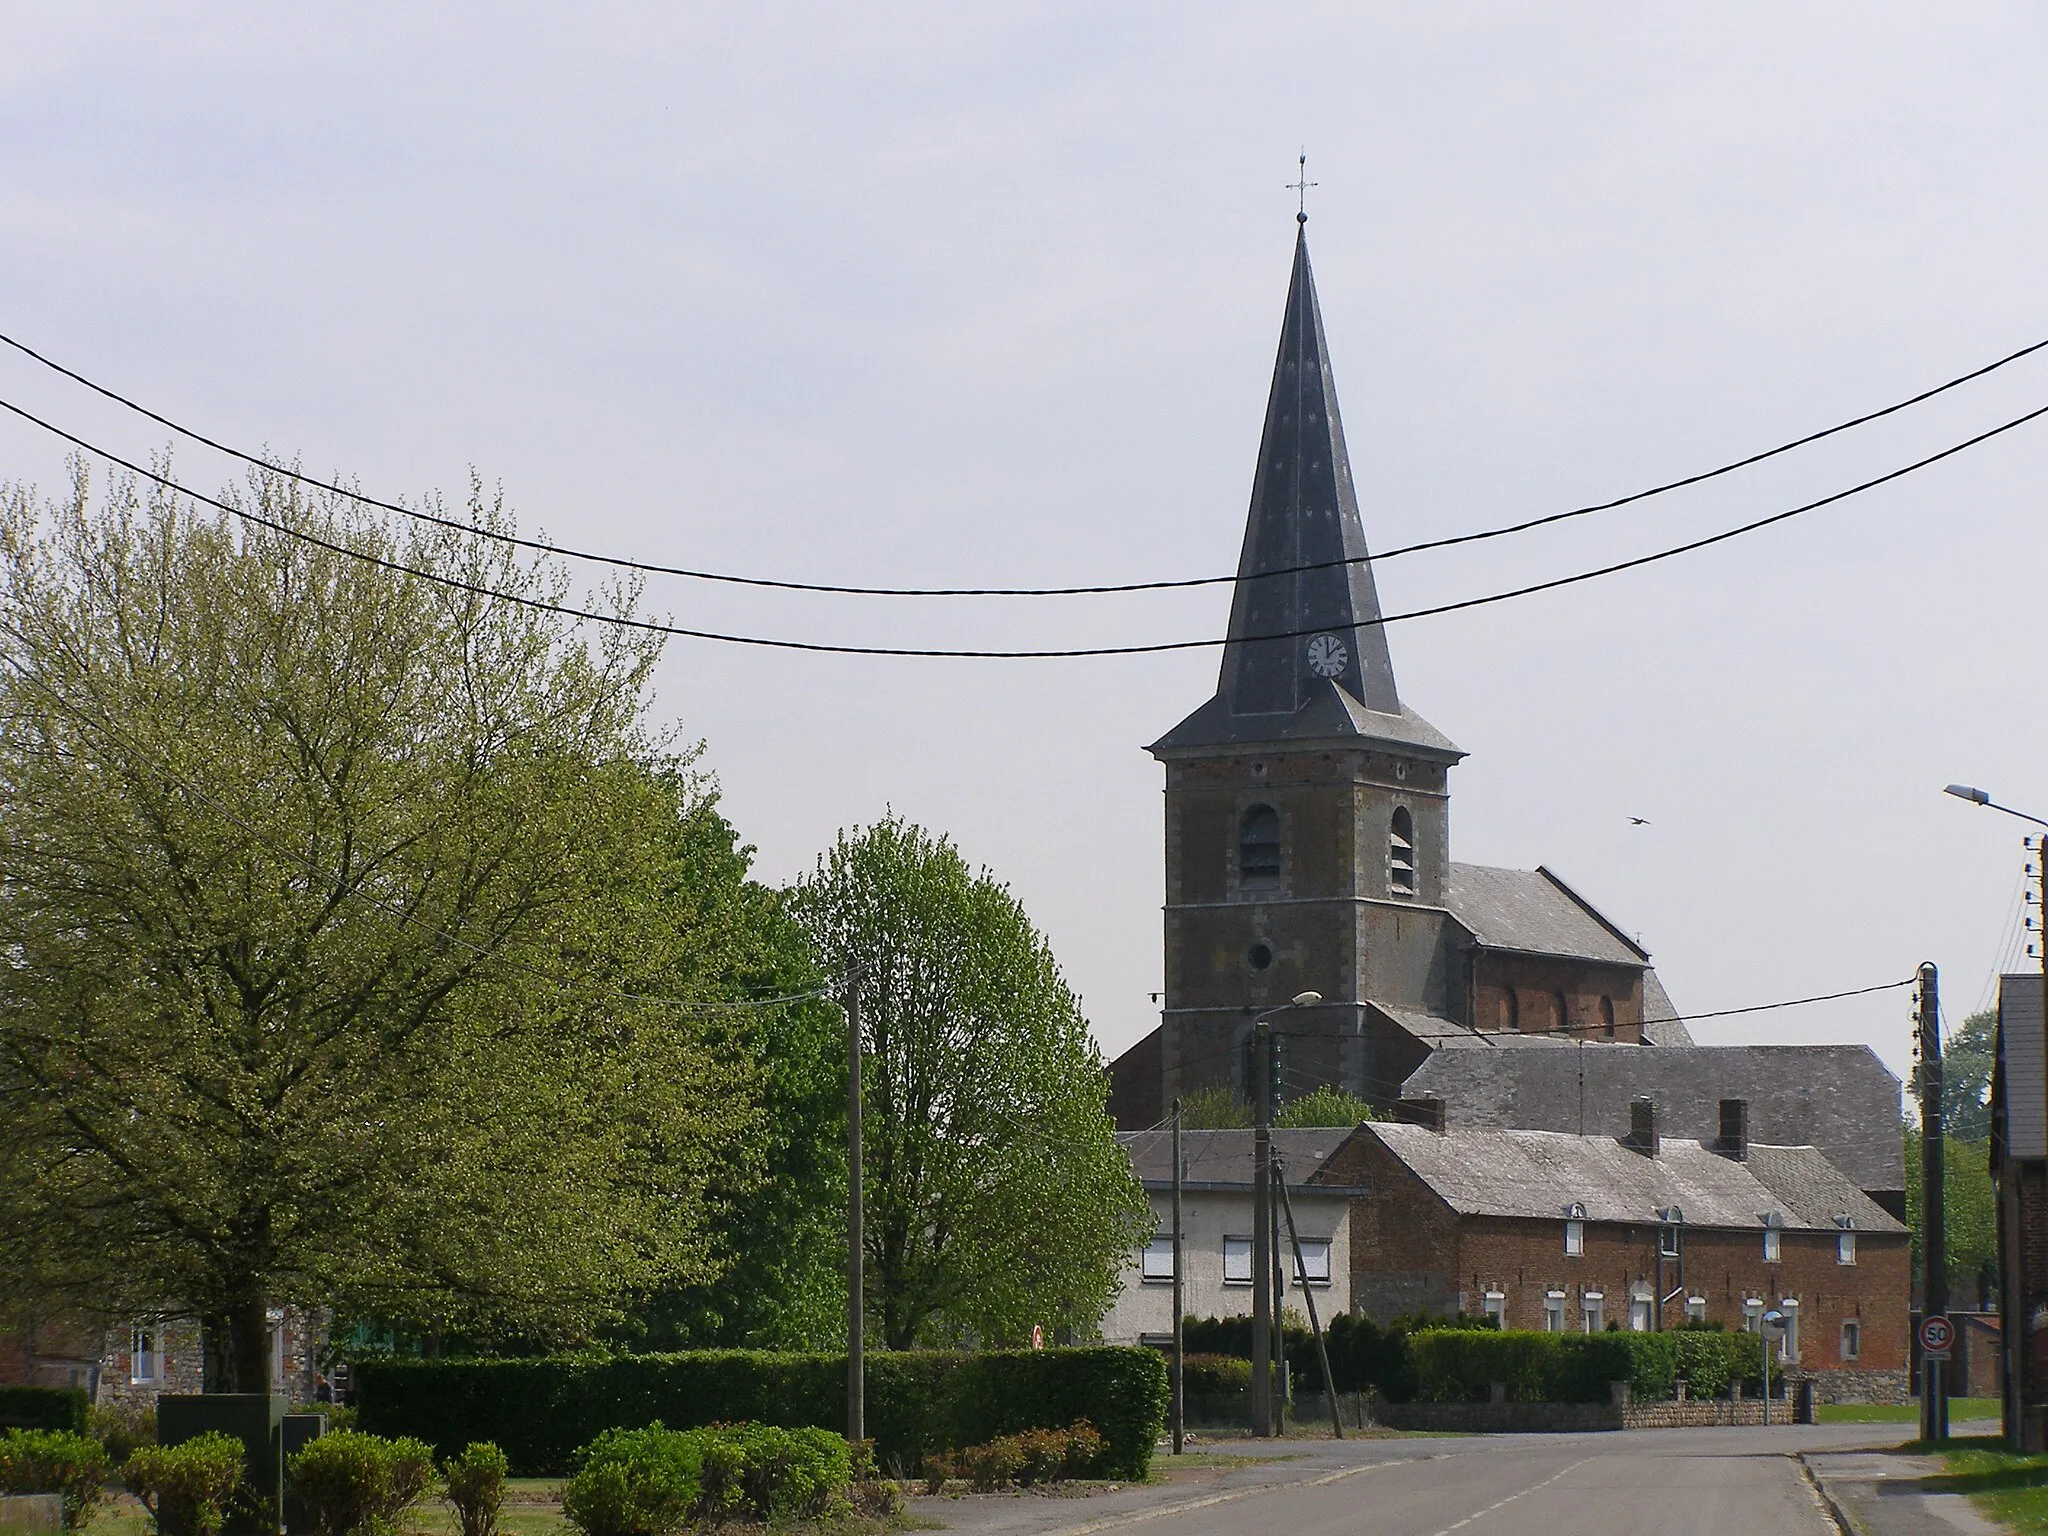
pixel 44 1408
pixel 1579 1367
pixel 541 1410
pixel 1365 1356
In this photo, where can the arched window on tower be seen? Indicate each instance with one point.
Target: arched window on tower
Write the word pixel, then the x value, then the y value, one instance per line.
pixel 1560 1013
pixel 1401 853
pixel 1607 1017
pixel 1258 849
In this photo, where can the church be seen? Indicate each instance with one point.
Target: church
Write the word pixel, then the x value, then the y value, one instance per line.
pixel 1308 827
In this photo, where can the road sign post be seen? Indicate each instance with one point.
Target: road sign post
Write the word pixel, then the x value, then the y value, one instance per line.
pixel 1937 1338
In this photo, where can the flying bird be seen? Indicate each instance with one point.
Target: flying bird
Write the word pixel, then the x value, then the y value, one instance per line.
pixel 1637 821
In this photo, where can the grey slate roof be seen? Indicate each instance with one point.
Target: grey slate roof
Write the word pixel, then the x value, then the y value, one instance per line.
pixel 1304 513
pixel 1661 1023
pixel 1534 912
pixel 1223 1159
pixel 1839 1098
pixel 1539 1173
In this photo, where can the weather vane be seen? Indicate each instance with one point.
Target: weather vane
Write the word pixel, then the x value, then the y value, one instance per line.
pixel 1300 190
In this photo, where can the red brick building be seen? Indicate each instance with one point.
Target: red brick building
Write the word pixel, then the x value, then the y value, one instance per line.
pixel 1546 1230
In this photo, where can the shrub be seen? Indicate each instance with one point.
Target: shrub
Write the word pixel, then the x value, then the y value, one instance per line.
pixel 476 1487
pixel 122 1426
pixel 1203 1374
pixel 540 1410
pixel 186 1487
pixel 45 1408
pixel 352 1482
pixel 1034 1456
pixel 634 1482
pixel 56 1461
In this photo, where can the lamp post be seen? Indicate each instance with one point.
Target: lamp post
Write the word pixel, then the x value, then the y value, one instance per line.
pixel 1262 1211
pixel 2013 1362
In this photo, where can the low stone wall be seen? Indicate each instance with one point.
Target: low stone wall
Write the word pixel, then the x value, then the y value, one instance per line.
pixel 1498 1418
pixel 1703 1413
pixel 1851 1386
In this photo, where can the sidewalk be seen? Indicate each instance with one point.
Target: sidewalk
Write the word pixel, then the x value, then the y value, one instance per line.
pixel 1878 1493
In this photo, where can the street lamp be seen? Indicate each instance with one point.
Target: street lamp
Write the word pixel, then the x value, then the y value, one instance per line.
pixel 1262 1210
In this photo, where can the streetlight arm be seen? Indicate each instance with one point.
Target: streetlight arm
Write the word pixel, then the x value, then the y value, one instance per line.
pixel 1982 797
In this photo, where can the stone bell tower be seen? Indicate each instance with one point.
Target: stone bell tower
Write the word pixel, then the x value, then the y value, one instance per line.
pixel 1307 809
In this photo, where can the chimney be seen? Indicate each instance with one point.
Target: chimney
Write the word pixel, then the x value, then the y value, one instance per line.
pixel 1424 1112
pixel 1734 1139
pixel 1642 1127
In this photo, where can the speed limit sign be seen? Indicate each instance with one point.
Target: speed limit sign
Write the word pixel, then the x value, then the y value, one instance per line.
pixel 1937 1333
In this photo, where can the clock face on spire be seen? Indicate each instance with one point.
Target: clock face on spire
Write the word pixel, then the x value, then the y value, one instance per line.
pixel 1327 656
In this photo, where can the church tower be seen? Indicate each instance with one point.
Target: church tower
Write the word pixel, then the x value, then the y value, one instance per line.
pixel 1307 808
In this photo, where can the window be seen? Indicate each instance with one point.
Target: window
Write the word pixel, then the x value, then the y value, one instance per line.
pixel 1845 1247
pixel 1574 1239
pixel 1401 853
pixel 1852 1340
pixel 1258 849
pixel 1315 1258
pixel 145 1364
pixel 1667 1241
pixel 1494 1304
pixel 1789 1349
pixel 1607 1018
pixel 1752 1314
pixel 1553 1312
pixel 1593 1311
pixel 1237 1261
pixel 1772 1246
pixel 1639 1313
pixel 1510 1011
pixel 1695 1309
pixel 1560 1012
pixel 1157 1262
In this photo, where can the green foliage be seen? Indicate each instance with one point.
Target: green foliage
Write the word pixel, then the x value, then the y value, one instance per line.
pixel 1205 1374
pixel 997 1196
pixel 1214 1109
pixel 1325 1106
pixel 1032 1457
pixel 122 1425
pixel 186 1488
pixel 250 789
pixel 1365 1356
pixel 1969 1212
pixel 475 1480
pixel 1461 1366
pixel 46 1408
pixel 1966 1061
pixel 917 1402
pixel 58 1461
pixel 647 1482
pixel 359 1485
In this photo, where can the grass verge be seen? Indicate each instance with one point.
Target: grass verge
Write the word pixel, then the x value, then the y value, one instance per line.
pixel 2006 1486
pixel 1903 1413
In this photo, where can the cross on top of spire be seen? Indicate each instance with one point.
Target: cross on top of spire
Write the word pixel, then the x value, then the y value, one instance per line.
pixel 1300 189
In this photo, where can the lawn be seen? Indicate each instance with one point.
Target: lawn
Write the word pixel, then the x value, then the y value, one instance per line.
pixel 2010 1488
pixel 533 1507
pixel 1903 1413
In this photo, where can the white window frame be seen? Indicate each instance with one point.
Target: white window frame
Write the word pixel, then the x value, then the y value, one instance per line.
pixel 1788 1347
pixel 1155 1261
pixel 1852 1338
pixel 1667 1241
pixel 1553 1312
pixel 1642 1313
pixel 1845 1246
pixel 145 1355
pixel 1494 1304
pixel 1237 1261
pixel 1752 1314
pixel 1315 1258
pixel 1695 1309
pixel 1773 1248
pixel 1574 1239
pixel 1593 1311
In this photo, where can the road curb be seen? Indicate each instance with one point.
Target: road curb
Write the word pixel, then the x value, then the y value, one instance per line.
pixel 1828 1501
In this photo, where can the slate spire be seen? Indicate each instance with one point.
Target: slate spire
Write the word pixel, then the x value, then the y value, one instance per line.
pixel 1304 512
pixel 1305 657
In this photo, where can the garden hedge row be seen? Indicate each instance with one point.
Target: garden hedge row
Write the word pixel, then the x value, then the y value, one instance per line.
pixel 541 1410
pixel 1365 1356
pixel 1461 1367
pixel 44 1408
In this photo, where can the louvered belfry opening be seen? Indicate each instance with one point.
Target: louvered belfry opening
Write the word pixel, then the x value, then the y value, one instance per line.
pixel 1258 848
pixel 1401 853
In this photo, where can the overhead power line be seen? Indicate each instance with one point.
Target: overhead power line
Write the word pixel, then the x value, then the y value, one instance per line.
pixel 651 568
pixel 653 626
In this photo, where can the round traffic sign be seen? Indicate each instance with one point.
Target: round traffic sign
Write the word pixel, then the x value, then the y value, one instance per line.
pixel 1937 1333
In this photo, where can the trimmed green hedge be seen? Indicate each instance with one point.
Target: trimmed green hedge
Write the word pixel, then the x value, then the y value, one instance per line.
pixel 541 1410
pixel 63 1408
pixel 1452 1367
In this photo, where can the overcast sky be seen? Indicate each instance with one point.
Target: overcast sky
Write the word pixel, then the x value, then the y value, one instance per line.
pixel 989 294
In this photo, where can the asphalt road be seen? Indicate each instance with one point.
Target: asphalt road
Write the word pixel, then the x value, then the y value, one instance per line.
pixel 1644 1483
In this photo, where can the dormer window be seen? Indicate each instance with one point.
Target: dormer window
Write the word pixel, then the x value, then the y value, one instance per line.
pixel 1845 1240
pixel 1258 849
pixel 1401 853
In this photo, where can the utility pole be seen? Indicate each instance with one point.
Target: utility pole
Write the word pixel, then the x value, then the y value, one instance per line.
pixel 1262 1234
pixel 1179 1296
pixel 1308 1297
pixel 856 1299
pixel 1933 1222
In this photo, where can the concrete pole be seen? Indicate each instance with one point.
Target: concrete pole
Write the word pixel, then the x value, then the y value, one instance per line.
pixel 856 1299
pixel 1262 1258
pixel 1933 1223
pixel 1179 1297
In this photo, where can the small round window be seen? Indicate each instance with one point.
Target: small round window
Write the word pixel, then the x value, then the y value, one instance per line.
pixel 1260 956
